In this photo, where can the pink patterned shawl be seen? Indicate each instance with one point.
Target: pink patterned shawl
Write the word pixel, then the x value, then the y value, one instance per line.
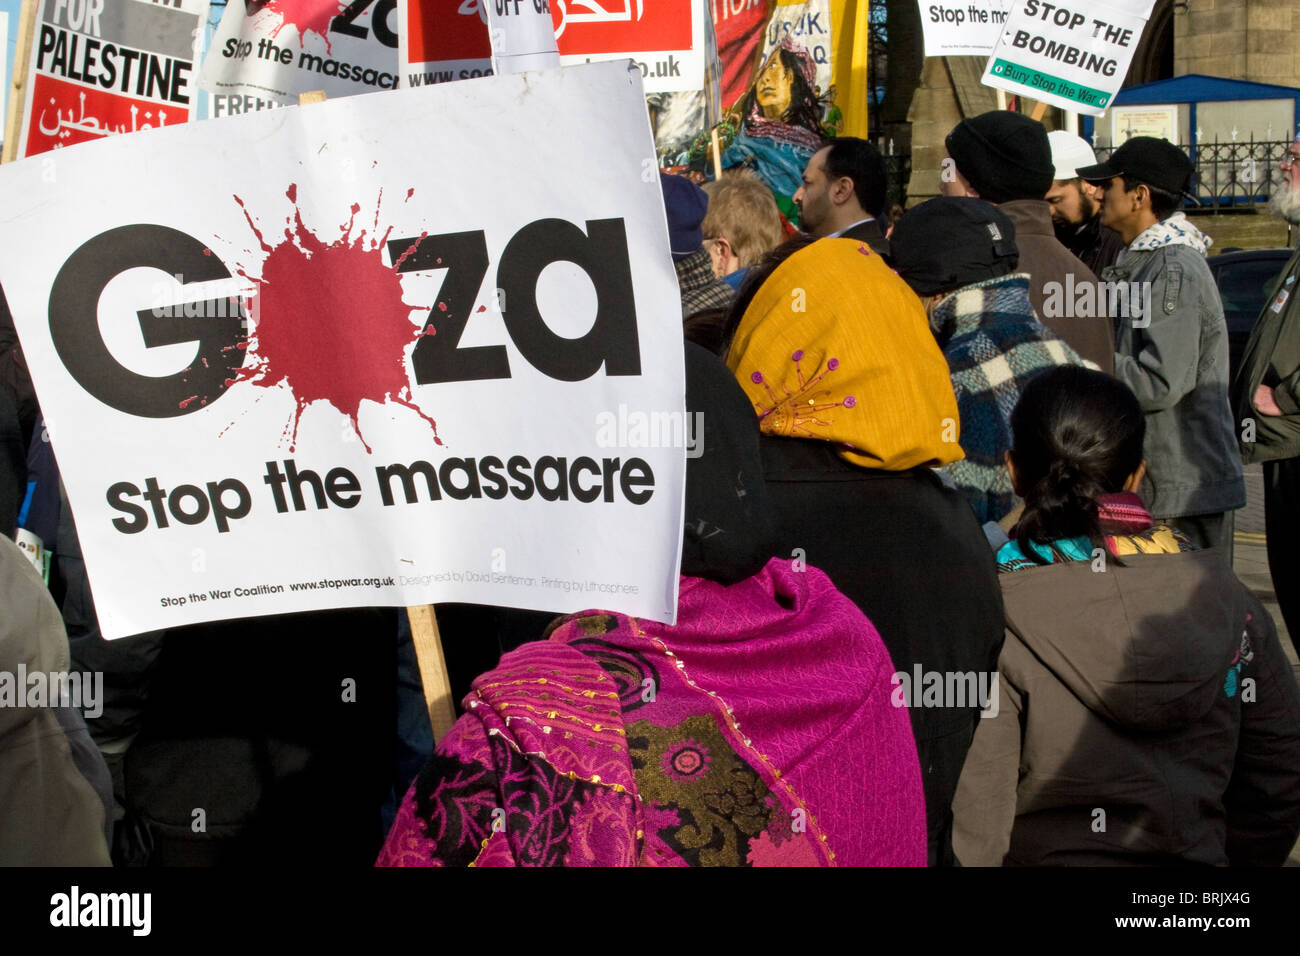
pixel 758 731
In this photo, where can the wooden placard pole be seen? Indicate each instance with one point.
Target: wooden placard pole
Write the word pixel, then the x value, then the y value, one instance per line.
pixel 433 668
pixel 1040 110
pixel 424 623
pixel 18 88
pixel 717 155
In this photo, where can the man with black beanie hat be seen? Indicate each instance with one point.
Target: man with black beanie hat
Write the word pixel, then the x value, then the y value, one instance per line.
pixel 1005 158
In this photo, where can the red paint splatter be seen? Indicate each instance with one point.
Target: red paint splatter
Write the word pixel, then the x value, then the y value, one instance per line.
pixel 330 322
pixel 305 16
pixel 185 403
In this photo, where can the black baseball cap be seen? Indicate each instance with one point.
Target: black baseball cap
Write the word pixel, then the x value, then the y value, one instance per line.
pixel 1145 159
pixel 950 242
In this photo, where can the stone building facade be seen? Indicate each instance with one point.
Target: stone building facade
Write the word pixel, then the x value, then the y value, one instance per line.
pixel 1256 40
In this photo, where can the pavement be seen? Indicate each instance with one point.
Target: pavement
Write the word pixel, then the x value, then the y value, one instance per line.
pixel 1250 561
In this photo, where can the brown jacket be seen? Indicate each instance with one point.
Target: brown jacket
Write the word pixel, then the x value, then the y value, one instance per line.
pixel 1047 261
pixel 1146 715
pixel 50 815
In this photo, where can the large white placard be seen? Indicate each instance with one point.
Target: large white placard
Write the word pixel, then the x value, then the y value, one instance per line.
pixel 1072 55
pixel 277 49
pixel 461 376
pixel 956 28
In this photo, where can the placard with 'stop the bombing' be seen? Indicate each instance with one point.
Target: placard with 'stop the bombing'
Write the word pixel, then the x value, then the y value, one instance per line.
pixel 326 356
pixel 1073 55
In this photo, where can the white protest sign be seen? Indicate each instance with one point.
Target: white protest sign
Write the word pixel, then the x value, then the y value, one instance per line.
pixel 522 35
pixel 461 377
pixel 1074 56
pixel 277 49
pixel 957 28
pixel 102 67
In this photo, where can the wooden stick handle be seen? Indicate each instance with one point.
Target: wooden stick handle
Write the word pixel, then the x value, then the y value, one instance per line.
pixel 433 669
pixel 18 88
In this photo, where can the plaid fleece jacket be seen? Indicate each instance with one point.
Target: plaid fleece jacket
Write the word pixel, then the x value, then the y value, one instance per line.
pixel 994 345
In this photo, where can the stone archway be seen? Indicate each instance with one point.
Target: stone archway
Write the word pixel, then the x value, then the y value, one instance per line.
pixel 1154 57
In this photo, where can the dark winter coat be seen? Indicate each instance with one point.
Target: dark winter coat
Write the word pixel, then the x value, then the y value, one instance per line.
pixel 1050 263
pixel 1272 358
pixel 1147 715
pixel 909 552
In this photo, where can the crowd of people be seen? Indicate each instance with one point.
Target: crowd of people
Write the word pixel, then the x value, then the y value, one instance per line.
pixel 956 589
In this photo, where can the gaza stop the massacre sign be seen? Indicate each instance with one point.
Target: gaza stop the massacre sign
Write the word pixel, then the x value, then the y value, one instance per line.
pixel 277 49
pixel 365 352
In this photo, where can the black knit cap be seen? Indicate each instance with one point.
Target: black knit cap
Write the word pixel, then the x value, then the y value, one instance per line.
pixel 1003 155
pixel 1145 159
pixel 950 242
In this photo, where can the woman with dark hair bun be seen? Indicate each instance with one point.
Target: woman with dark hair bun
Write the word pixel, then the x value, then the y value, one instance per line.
pixel 1069 456
pixel 1146 714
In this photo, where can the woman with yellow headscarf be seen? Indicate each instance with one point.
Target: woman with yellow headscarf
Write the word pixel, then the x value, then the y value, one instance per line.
pixel 856 408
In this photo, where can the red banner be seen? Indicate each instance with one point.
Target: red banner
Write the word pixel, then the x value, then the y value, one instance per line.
pixel 65 113
pixel 448 30
pixel 588 27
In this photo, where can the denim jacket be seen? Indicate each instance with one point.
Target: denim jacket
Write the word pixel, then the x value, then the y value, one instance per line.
pixel 1175 358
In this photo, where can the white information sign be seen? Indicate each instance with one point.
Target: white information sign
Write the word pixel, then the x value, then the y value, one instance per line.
pixel 954 28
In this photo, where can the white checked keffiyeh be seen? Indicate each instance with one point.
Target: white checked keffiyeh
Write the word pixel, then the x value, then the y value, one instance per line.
pixel 1174 231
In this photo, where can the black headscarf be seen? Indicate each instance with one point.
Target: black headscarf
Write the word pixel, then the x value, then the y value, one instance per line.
pixel 730 526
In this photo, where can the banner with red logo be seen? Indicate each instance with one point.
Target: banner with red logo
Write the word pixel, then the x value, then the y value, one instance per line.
pixel 100 67
pixel 448 40
pixel 664 38
pixel 443 40
pixel 335 356
pixel 278 49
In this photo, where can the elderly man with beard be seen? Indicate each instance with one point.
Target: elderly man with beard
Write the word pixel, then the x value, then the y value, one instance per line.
pixel 1266 395
pixel 1076 205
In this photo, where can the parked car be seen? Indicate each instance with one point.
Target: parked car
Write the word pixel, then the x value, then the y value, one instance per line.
pixel 1244 278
